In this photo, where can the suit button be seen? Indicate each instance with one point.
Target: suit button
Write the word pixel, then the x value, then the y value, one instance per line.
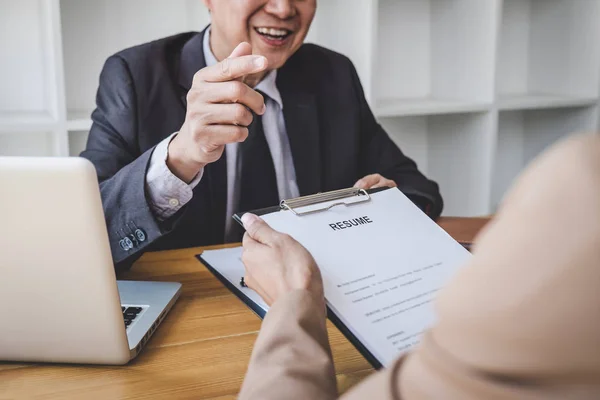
pixel 128 243
pixel 140 235
pixel 173 202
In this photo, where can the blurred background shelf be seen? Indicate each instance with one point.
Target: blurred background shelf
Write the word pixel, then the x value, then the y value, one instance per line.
pixel 427 106
pixel 19 121
pixel 539 101
pixel 472 90
pixel 28 143
pixel 522 135
pixel 450 149
pixel 77 140
pixel 79 120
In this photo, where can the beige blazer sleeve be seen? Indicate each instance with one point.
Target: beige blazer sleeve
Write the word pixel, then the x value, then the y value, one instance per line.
pixel 291 357
pixel 520 321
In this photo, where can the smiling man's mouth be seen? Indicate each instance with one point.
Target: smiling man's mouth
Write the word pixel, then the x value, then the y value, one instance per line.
pixel 273 34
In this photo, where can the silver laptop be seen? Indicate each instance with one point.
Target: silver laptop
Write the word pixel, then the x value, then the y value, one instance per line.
pixel 59 298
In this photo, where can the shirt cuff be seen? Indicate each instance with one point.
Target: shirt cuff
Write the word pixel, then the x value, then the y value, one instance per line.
pixel 166 192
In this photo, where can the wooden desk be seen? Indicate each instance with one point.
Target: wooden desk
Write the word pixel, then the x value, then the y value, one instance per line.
pixel 200 351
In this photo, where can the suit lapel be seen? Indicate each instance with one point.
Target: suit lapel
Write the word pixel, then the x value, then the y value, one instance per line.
pixel 302 125
pixel 192 60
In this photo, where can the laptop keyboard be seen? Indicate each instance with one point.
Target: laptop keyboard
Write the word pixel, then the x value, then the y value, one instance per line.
pixel 130 314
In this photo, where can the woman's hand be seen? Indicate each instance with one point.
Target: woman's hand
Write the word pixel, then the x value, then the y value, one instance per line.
pixel 277 264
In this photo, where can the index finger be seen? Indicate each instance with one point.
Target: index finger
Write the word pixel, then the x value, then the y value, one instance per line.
pixel 232 68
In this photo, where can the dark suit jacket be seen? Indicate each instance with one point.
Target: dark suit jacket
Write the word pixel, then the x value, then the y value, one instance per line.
pixel 141 99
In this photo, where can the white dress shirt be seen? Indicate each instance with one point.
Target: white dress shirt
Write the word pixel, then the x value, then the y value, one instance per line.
pixel 167 193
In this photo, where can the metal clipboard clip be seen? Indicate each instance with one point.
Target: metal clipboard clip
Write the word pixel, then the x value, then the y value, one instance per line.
pixel 342 195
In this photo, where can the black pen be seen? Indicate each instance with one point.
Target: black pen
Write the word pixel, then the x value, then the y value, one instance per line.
pixel 466 245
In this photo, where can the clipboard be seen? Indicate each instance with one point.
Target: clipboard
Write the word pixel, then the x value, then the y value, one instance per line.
pixel 308 205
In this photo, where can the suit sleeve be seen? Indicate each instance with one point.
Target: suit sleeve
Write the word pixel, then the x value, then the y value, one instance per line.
pixel 120 166
pixel 291 357
pixel 381 155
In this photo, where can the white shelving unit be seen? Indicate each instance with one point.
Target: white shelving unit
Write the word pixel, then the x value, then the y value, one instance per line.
pixel 433 56
pixel 454 151
pixel 472 90
pixel 522 135
pixel 548 54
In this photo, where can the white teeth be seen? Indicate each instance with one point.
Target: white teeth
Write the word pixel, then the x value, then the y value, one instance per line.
pixel 272 31
pixel 277 32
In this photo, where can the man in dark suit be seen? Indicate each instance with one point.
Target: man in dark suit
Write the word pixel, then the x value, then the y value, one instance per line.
pixel 192 128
